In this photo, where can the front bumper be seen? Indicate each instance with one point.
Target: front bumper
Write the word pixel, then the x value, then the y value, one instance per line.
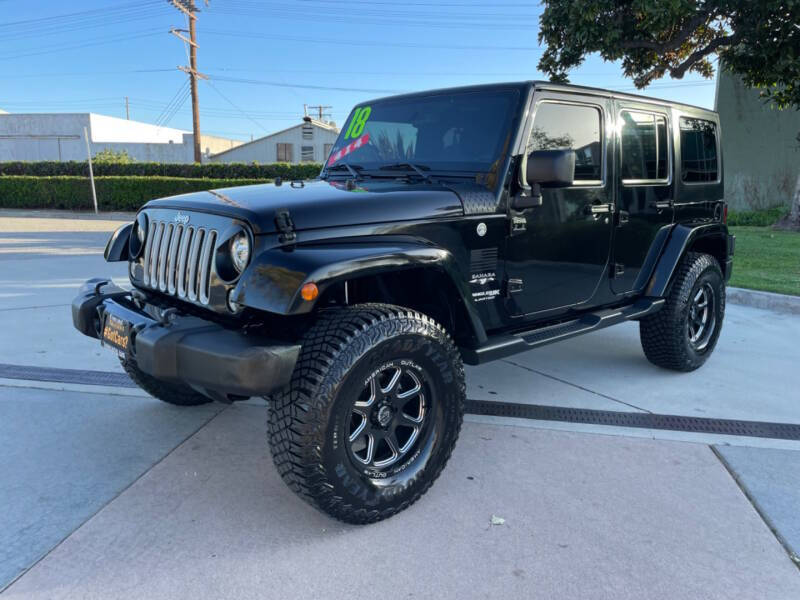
pixel 216 361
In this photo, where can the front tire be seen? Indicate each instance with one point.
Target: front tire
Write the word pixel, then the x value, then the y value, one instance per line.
pixel 683 334
pixel 179 395
pixel 372 413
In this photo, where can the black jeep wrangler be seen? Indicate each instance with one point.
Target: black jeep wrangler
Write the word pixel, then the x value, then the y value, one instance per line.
pixel 446 227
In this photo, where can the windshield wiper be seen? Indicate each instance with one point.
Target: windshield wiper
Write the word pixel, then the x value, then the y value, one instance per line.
pixel 415 167
pixel 355 170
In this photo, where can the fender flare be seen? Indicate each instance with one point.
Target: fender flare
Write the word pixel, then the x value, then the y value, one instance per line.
pixel 681 239
pixel 117 245
pixel 273 280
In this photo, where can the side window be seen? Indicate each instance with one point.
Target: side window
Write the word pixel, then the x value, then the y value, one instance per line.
pixel 698 150
pixel 645 147
pixel 284 152
pixel 571 126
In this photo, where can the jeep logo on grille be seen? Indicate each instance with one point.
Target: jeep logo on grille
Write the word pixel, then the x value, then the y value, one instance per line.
pixel 181 218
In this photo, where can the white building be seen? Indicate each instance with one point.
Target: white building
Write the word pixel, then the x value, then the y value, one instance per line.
pixel 309 141
pixel 59 136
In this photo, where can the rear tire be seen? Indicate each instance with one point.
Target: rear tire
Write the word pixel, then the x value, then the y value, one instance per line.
pixel 683 334
pixel 179 395
pixel 372 413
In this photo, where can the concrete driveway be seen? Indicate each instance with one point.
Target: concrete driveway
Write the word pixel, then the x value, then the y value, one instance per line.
pixel 110 493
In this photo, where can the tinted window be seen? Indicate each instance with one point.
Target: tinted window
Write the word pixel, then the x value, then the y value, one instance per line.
pixel 698 150
pixel 567 126
pixel 466 131
pixel 644 146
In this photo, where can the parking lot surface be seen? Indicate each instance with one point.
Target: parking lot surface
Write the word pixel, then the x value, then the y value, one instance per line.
pixel 110 493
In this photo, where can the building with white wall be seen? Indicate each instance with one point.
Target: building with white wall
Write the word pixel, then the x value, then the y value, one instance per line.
pixel 60 137
pixel 308 141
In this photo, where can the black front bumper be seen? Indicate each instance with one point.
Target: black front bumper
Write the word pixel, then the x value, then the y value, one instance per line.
pixel 216 361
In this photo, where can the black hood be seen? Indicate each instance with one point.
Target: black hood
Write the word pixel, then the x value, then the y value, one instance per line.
pixel 322 203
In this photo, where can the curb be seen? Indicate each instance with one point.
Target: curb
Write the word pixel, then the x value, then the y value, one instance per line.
pixel 767 300
pixel 36 213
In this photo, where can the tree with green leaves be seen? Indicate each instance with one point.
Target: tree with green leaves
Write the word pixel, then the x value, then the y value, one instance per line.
pixel 108 155
pixel 758 40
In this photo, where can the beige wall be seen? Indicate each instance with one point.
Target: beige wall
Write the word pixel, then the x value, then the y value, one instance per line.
pixel 760 147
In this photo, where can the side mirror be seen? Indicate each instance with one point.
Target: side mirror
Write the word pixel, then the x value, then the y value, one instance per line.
pixel 551 168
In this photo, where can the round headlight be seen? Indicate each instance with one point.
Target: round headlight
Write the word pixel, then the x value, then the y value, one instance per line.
pixel 240 251
pixel 138 235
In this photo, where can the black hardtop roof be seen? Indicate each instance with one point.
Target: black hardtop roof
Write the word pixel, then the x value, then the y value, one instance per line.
pixel 559 87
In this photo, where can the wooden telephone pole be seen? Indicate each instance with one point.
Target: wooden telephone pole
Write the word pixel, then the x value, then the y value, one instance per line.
pixel 321 108
pixel 189 9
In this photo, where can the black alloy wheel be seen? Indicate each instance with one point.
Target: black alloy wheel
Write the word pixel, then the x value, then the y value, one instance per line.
pixel 372 413
pixel 683 334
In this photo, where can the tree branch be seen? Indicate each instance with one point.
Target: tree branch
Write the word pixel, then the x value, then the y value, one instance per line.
pixel 676 42
pixel 726 40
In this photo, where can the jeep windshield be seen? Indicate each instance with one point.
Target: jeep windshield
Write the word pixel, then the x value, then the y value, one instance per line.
pixel 454 132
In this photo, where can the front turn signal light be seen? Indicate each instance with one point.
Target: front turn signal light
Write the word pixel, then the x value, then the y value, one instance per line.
pixel 309 292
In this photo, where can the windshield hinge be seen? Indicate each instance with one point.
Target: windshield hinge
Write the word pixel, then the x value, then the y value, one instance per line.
pixel 285 225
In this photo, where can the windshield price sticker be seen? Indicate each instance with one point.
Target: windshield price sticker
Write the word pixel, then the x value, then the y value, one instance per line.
pixel 352 146
pixel 357 123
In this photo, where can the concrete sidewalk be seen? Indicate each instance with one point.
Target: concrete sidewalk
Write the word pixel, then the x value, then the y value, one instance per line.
pixel 585 517
pixel 599 516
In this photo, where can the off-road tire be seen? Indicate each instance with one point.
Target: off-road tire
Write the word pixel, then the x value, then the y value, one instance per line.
pixel 665 335
pixel 179 395
pixel 308 419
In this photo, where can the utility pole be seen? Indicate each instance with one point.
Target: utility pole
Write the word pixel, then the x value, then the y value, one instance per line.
pixel 321 108
pixel 189 9
pixel 127 109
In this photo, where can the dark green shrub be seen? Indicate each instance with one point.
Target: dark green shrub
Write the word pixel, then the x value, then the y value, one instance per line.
pixel 144 169
pixel 757 218
pixel 113 193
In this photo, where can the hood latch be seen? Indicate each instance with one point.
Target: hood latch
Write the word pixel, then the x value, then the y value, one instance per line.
pixel 285 225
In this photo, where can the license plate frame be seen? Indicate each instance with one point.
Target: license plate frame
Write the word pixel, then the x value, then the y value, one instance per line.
pixel 116 332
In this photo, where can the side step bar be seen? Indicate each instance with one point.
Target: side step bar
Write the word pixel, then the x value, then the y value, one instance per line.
pixel 509 344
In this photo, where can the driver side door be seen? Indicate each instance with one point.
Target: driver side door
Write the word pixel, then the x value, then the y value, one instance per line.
pixel 557 253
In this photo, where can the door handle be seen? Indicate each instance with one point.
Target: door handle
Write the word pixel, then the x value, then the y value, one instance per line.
pixel 662 204
pixel 599 209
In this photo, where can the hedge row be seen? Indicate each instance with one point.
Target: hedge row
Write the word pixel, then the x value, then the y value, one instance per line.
pixel 144 169
pixel 757 218
pixel 113 193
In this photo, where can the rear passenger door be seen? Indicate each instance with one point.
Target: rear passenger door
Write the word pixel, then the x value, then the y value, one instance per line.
pixel 645 192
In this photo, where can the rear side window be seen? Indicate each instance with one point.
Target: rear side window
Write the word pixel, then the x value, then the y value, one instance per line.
pixel 698 150
pixel 571 127
pixel 645 147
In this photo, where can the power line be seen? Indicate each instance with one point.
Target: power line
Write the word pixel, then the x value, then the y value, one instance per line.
pixel 357 42
pixel 173 101
pixel 305 86
pixel 229 101
pixel 64 47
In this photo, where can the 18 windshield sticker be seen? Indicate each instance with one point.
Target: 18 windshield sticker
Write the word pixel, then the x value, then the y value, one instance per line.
pixel 354 131
pixel 357 123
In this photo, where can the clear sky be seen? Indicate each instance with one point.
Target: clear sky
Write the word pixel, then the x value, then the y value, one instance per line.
pixel 266 58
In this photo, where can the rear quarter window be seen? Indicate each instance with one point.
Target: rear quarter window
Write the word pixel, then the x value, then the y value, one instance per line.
pixel 699 162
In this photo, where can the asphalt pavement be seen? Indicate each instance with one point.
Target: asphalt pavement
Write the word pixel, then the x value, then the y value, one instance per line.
pixel 108 493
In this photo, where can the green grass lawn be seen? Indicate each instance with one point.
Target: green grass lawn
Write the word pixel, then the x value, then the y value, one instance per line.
pixel 766 260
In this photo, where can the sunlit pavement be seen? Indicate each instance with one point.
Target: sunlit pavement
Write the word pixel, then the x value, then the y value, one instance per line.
pixel 107 493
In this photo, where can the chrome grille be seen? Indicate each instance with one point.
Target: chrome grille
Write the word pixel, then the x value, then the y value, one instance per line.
pixel 178 260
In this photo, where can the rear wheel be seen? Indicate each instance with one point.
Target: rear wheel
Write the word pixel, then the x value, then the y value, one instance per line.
pixel 684 333
pixel 372 413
